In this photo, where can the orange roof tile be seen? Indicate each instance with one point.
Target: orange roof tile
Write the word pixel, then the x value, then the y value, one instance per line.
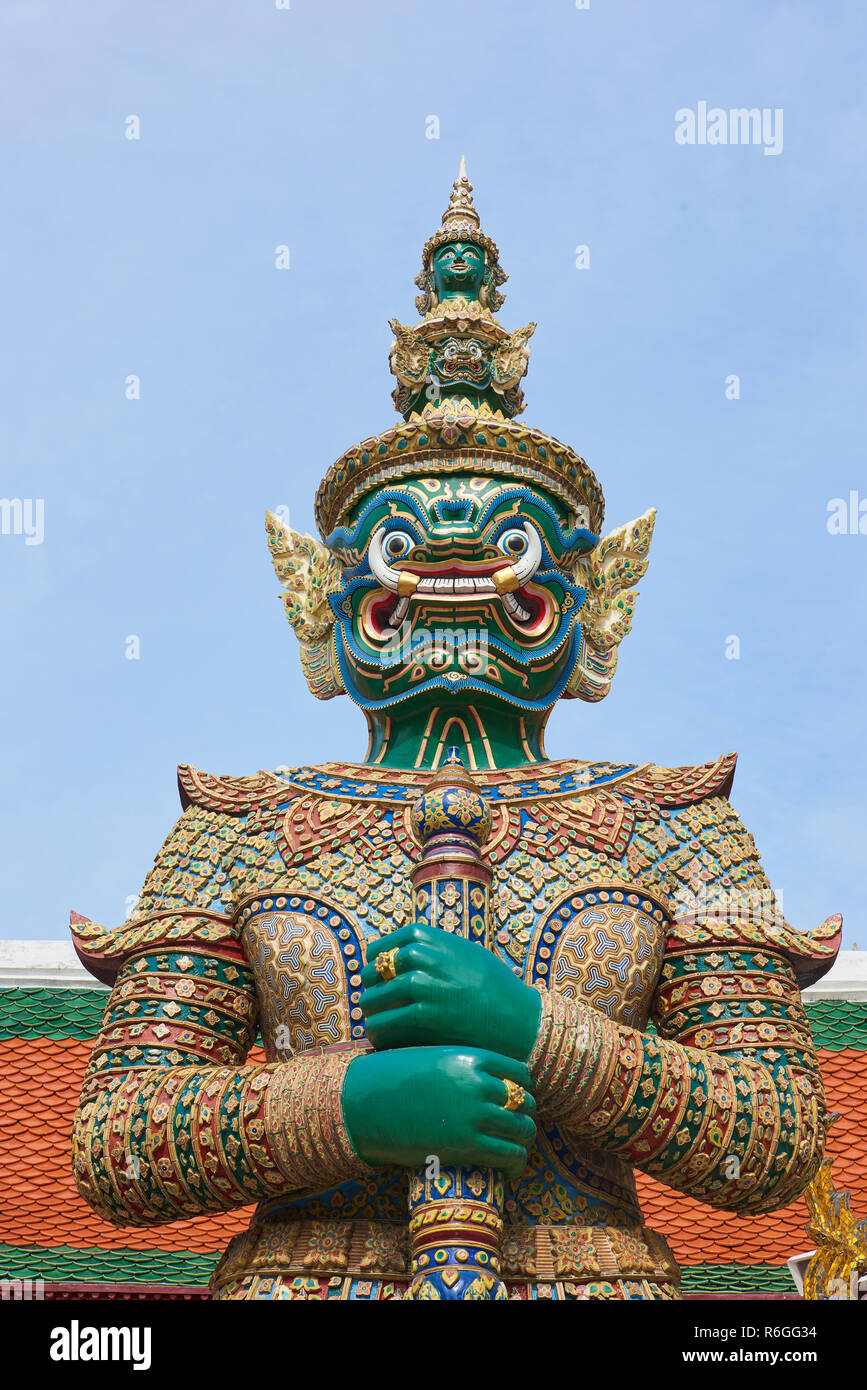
pixel 39 1085
pixel 40 1079
pixel 699 1234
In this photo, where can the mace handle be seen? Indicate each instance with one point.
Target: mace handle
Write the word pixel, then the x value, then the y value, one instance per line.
pixel 456 1214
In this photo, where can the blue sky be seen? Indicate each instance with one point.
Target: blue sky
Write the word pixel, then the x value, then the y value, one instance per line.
pixel 307 127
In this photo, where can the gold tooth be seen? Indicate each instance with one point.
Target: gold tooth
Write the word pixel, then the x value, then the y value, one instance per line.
pixel 505 580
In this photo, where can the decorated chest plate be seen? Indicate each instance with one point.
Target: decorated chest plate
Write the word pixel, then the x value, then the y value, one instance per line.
pixel 325 865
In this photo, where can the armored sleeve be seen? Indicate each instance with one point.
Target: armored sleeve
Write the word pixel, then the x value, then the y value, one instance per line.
pixel 173 1121
pixel 724 1101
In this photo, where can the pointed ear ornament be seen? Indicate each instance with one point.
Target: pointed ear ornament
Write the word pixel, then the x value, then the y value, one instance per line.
pixel 608 573
pixel 309 574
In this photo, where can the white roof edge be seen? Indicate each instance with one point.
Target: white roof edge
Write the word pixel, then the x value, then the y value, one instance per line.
pixel 43 965
pixel 847 979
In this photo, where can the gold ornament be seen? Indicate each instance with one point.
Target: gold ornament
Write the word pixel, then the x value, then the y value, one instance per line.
pixel 460 437
pixel 607 574
pixel 408 358
pixel 841 1241
pixel 515 1095
pixel 385 964
pixel 310 574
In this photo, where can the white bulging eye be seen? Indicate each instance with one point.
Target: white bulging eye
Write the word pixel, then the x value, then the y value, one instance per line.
pixel 513 542
pixel 475 351
pixel 450 352
pixel 397 545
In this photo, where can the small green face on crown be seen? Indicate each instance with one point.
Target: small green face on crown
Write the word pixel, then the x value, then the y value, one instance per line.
pixel 458 270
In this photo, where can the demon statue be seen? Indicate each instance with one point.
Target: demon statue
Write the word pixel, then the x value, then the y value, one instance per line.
pixel 488 986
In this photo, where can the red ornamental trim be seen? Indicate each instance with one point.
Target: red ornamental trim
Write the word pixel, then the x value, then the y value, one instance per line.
pixel 234 796
pixel 102 952
pixel 314 822
pixel 452 868
pixel 595 820
pixel 673 787
pixel 810 954
pixel 457 1233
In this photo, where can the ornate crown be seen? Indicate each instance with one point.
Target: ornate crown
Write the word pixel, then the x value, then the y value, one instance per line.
pixel 460 439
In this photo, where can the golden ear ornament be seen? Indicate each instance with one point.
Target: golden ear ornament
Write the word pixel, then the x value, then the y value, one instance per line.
pixel 608 573
pixel 309 574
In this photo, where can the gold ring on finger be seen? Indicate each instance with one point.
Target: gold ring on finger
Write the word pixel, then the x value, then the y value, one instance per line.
pixel 384 963
pixel 515 1095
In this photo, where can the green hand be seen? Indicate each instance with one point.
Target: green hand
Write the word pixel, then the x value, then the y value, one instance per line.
pixel 403 1107
pixel 447 990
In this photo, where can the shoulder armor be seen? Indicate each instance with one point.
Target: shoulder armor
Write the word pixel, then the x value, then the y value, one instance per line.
pixel 102 951
pixel 233 796
pixel 810 953
pixel 671 787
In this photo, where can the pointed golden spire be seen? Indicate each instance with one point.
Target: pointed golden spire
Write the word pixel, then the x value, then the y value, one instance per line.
pixel 461 209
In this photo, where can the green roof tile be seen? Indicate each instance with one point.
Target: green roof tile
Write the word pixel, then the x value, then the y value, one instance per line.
pixel 838 1023
pixel 736 1279
pixel 51 1013
pixel 62 1264
pixel 93 1266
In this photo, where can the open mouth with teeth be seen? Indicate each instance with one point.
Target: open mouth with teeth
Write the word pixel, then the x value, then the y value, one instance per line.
pixel 449 584
pixel 529 607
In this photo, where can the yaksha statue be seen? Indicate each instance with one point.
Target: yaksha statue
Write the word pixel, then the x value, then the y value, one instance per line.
pixel 489 986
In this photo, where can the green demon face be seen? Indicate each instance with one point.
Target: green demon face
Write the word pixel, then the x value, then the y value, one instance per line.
pixel 458 270
pixel 458 583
